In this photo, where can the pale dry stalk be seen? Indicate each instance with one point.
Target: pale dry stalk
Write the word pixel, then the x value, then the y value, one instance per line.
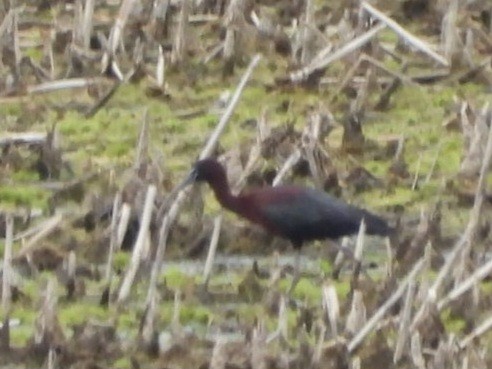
pixel 7 264
pixel 331 306
pixel 321 63
pixel 113 236
pixel 407 36
pixel 179 46
pixel 405 316
pixel 381 312
pixel 139 245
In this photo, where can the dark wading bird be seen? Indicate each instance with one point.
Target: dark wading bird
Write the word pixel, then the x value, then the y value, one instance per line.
pixel 298 214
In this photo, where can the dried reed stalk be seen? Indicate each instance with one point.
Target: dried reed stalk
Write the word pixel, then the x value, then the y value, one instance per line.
pixel 28 138
pixel 321 63
pixel 405 316
pixel 113 237
pixel 381 312
pixel 139 245
pixel 288 164
pixel 407 36
pixel 126 212
pixel 331 306
pixel 359 249
pixel 64 84
pixel 7 265
pixel 179 45
pixel 212 249
pixel 50 226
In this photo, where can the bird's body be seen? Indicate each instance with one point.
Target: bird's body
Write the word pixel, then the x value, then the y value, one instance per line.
pixel 298 214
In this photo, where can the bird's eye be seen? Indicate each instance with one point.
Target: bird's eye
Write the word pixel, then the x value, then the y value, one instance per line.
pixel 194 174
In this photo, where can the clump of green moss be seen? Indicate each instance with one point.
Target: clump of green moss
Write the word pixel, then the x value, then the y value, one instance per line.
pixel 23 195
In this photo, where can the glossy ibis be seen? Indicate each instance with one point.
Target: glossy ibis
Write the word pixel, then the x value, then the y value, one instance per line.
pixel 298 214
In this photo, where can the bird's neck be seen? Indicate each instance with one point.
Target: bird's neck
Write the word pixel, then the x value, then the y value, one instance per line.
pixel 224 195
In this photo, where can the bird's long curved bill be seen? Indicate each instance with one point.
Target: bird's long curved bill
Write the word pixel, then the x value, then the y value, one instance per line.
pixel 189 180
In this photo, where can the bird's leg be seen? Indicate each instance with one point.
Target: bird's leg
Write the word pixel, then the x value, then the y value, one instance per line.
pixel 297 271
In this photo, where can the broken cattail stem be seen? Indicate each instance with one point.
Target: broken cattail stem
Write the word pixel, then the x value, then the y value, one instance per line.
pixel 254 156
pixel 340 257
pixel 126 212
pixel 468 283
pixel 16 44
pixel 450 37
pixel 113 237
pixel 28 138
pixel 86 26
pixel 403 332
pixel 34 240
pixel 258 349
pixel 120 22
pixel 161 68
pixel 356 363
pixel 143 142
pixel 213 53
pixel 214 241
pixel 331 307
pixel 310 140
pixel 219 355
pixel 102 101
pixel 417 173
pixel 71 264
pixel 289 163
pixel 407 36
pixel 399 76
pixel 179 45
pixel 357 340
pixel 349 77
pixel 482 179
pixel 282 319
pixel 7 260
pixel 308 19
pixel 148 326
pixel 359 248
pixel 318 350
pixel 357 316
pixel 51 362
pixel 389 259
pixel 208 149
pixel 434 163
pixel 346 49
pixel 47 319
pixel 175 321
pixel 7 21
pixel 159 255
pixel 477 332
pixel 64 84
pixel 139 245
pixel 416 351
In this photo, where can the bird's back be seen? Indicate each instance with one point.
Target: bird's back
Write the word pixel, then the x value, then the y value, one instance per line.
pixel 303 214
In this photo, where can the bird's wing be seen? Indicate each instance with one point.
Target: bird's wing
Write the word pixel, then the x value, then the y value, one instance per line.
pixel 309 214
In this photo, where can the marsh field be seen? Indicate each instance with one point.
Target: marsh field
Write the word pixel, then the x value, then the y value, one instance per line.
pixel 105 106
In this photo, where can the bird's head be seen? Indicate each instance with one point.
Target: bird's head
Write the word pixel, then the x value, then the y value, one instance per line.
pixel 205 170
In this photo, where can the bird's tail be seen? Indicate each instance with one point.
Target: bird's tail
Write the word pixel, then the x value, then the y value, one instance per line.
pixel 376 225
